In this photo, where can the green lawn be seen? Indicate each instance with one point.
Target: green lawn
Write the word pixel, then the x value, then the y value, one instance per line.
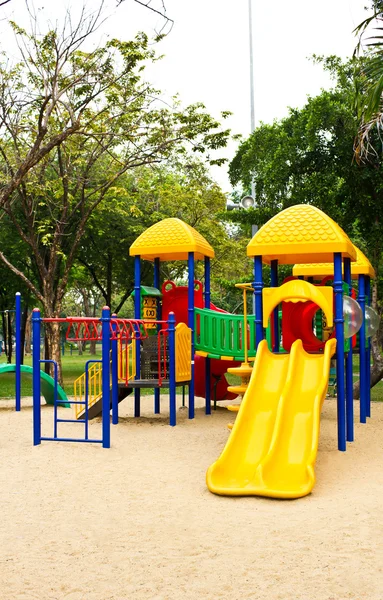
pixel 74 366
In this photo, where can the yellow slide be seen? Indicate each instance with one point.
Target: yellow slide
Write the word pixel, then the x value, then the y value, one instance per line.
pixel 273 445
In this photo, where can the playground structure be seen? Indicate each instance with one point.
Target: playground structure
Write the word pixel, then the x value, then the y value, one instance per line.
pixel 272 448
pixel 178 338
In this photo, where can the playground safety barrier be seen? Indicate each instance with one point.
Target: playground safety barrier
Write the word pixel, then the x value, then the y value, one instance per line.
pixel 219 335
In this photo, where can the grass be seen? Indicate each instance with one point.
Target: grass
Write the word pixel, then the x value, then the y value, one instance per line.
pixel 74 366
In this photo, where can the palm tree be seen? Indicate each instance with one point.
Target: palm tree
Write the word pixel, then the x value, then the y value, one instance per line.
pixel 369 82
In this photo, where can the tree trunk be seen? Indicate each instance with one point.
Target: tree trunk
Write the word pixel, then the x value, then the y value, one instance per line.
pixel 88 313
pixel 24 321
pixel 28 335
pixel 9 336
pixel 4 326
pixel 53 348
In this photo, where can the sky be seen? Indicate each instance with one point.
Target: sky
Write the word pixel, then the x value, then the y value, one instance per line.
pixel 206 54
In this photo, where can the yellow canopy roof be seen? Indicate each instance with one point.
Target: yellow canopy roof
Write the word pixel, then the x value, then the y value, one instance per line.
pixel 171 239
pixel 300 233
pixel 362 266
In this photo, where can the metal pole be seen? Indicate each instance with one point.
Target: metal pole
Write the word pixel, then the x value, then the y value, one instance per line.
pixel 36 329
pixel 156 282
pixel 137 315
pixel 252 107
pixel 191 326
pixel 172 369
pixel 349 380
pixel 114 373
pixel 258 286
pixel 362 350
pixel 339 330
pixel 105 377
pixel 275 317
pixel 207 360
pixel 368 351
pixel 18 351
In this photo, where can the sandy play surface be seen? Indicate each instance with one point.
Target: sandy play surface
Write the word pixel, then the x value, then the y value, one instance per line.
pixel 137 522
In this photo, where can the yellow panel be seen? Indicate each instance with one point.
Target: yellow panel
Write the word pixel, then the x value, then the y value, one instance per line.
pixel 202 353
pixel 149 313
pixel 183 353
pixel 148 302
pixel 301 233
pixel 171 239
pixel 273 445
pixel 361 266
pixel 295 291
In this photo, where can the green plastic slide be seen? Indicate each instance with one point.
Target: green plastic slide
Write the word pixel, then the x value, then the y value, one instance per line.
pixel 47 383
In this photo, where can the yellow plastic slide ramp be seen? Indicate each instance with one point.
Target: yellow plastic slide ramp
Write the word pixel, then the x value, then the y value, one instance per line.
pixel 288 469
pixel 251 435
pixel 285 467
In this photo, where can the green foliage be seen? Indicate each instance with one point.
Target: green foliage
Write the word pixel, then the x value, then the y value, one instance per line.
pixel 308 158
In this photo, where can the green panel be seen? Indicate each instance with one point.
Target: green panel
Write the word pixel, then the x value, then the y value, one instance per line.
pixel 221 333
pixel 319 324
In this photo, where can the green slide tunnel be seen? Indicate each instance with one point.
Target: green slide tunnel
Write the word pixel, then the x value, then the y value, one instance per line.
pixel 47 383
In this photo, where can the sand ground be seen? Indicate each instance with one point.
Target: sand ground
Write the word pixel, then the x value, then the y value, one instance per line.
pixel 79 522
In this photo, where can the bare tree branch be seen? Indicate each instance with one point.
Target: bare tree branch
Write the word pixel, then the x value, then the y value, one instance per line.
pixel 162 12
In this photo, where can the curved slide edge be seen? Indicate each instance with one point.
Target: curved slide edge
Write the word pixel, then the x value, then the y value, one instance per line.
pixel 252 432
pixel 47 383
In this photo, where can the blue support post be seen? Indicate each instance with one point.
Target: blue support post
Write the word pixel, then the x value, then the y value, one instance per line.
pixel 156 282
pixel 275 317
pixel 258 286
pixel 368 351
pixel 137 315
pixel 362 351
pixel 114 373
pixel 18 351
pixel 339 330
pixel 349 378
pixel 207 360
pixel 172 369
pixel 36 332
pixel 105 377
pixel 191 325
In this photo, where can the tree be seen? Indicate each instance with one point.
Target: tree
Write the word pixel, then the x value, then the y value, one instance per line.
pixel 143 197
pixel 369 91
pixel 308 158
pixel 71 124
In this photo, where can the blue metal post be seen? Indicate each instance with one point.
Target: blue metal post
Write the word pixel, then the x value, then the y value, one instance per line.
pixel 368 350
pixel 339 330
pixel 36 332
pixel 172 369
pixel 191 325
pixel 105 377
pixel 275 317
pixel 156 282
pixel 258 286
pixel 18 351
pixel 362 351
pixel 114 373
pixel 207 360
pixel 349 379
pixel 137 315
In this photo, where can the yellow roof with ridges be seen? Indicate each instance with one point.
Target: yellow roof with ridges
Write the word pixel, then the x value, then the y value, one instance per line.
pixel 171 239
pixel 300 233
pixel 361 266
